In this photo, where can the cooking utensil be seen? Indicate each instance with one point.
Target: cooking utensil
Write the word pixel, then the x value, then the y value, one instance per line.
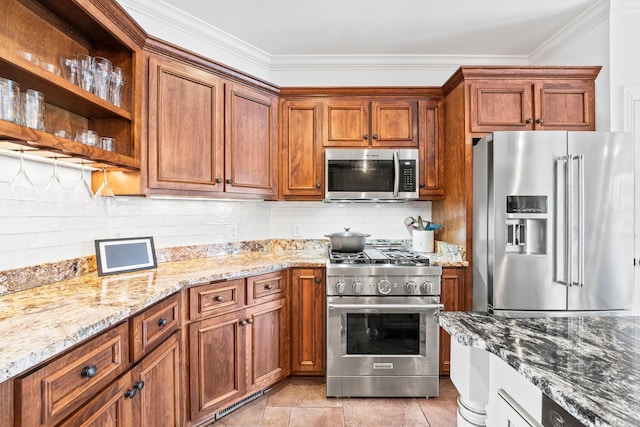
pixel 409 221
pixel 420 223
pixel 347 241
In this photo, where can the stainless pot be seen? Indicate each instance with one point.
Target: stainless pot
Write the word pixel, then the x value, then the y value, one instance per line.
pixel 347 241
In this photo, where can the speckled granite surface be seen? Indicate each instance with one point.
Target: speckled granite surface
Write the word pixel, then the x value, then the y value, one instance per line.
pixel 42 319
pixel 39 323
pixel 589 365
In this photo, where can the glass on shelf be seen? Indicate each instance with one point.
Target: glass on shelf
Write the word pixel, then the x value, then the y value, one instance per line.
pixel 101 74
pixel 9 100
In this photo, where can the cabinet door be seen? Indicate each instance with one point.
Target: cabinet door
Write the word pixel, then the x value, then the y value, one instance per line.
pixel 185 127
pixel 157 403
pixel 153 326
pixel 216 363
pixel 565 105
pixel 501 105
pixel 250 141
pixel 431 149
pixel 266 287
pixel 394 124
pixel 346 123
pixel 452 296
pixel 307 321
pixel 6 403
pixel 109 408
pixel 267 344
pixel 302 167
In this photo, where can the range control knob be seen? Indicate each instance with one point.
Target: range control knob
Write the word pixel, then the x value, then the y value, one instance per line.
pixel 340 287
pixel 384 286
pixel 411 287
pixel 357 287
pixel 427 287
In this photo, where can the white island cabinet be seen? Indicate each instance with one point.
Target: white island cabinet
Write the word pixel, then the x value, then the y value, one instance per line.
pixel 491 392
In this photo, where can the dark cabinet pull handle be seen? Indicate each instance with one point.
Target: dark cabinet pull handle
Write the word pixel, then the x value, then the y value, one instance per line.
pixel 540 121
pixel 366 136
pixel 229 181
pixel 219 298
pixel 242 322
pixel 89 371
pixel 422 185
pixel 375 136
pixel 317 185
pixel 268 287
pixel 250 321
pixel 318 280
pixel 162 322
pixel 529 121
pixel 137 386
pixel 218 180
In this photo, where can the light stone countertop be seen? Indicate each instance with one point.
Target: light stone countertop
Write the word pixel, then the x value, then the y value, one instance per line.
pixel 39 323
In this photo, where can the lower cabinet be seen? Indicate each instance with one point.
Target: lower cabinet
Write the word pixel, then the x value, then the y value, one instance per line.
pixel 452 296
pixel 102 383
pixel 235 353
pixel 147 395
pixel 307 321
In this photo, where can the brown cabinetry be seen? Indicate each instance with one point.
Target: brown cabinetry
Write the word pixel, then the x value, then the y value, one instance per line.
pixel 185 133
pixel 544 104
pixel 452 296
pixel 362 122
pixel 98 384
pixel 65 28
pixel 250 141
pixel 237 348
pixel 316 118
pixel 208 134
pixel 301 161
pixel 307 321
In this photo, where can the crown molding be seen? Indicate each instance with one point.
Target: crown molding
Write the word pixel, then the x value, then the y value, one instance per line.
pixel 388 62
pixel 584 22
pixel 170 16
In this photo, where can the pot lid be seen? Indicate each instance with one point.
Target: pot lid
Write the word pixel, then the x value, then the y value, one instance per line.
pixel 347 233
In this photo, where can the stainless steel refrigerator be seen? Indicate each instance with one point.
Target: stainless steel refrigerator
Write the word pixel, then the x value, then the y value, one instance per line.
pixel 553 223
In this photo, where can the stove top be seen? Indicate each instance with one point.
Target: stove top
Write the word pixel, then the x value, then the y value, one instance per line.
pixel 395 255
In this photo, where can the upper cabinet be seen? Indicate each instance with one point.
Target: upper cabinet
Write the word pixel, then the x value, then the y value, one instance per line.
pixel 301 164
pixel 211 131
pixel 313 119
pixel 559 99
pixel 367 123
pixel 40 43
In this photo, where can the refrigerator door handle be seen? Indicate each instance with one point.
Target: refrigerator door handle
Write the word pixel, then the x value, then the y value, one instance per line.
pixel 562 231
pixel 569 220
pixel 580 159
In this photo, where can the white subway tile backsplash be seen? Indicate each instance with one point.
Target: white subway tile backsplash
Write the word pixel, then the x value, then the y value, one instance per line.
pixel 38 230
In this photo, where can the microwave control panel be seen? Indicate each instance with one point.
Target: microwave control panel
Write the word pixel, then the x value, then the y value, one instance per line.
pixel 407 175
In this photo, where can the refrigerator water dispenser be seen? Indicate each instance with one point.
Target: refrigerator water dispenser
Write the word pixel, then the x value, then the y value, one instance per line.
pixel 526 224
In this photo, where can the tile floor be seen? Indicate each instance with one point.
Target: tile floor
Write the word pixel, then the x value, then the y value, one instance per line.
pixel 302 402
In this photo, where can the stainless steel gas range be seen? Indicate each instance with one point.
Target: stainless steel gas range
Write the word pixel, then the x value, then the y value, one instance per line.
pixel 382 337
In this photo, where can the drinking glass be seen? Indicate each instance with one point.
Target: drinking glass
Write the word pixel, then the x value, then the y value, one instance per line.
pixel 21 187
pixel 33 112
pixel 9 100
pixel 85 68
pixel 108 144
pixel 101 75
pixel 70 69
pixel 104 194
pixel 82 191
pixel 54 190
pixel 116 83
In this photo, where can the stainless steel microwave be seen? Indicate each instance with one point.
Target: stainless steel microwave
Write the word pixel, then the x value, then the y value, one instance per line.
pixel 373 174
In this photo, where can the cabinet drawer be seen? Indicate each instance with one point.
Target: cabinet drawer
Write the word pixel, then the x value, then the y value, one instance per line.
pixel 266 287
pixel 215 298
pixel 153 326
pixel 50 393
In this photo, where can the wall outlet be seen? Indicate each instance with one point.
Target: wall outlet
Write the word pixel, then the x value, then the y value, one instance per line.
pixel 297 230
pixel 232 231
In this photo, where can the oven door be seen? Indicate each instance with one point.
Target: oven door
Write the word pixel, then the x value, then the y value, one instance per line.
pixel 382 336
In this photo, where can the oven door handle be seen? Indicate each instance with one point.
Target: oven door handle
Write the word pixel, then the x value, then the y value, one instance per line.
pixel 419 307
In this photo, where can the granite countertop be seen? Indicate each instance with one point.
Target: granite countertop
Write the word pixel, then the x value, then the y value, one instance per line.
pixel 39 323
pixel 588 365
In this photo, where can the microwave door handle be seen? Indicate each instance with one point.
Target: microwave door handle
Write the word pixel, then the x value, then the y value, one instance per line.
pixel 396 174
